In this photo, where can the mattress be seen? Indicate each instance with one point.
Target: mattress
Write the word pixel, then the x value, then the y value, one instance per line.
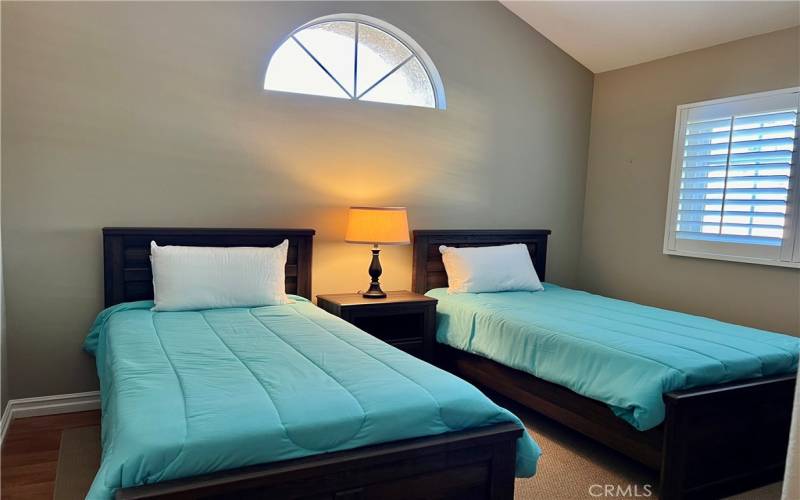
pixel 624 354
pixel 187 393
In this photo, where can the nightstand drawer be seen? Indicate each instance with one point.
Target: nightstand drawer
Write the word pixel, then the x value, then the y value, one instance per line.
pixel 403 319
pixel 391 328
pixel 413 347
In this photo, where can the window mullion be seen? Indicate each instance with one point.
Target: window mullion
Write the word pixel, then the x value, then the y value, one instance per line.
pixel 355 64
pixel 387 75
pixel 322 66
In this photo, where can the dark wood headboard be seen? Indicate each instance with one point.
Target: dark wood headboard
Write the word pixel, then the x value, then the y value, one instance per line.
pixel 126 255
pixel 428 269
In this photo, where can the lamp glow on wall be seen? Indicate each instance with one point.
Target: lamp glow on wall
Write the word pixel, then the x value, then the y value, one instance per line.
pixel 377 226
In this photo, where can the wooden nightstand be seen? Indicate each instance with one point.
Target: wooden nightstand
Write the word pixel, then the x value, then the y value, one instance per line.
pixel 403 319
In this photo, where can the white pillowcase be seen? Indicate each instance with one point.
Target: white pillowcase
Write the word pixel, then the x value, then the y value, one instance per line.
pixel 490 269
pixel 192 278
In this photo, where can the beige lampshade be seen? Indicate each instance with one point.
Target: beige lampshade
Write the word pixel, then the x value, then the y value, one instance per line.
pixel 384 225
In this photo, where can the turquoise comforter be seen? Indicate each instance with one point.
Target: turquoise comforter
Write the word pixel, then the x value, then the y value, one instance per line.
pixel 623 354
pixel 187 393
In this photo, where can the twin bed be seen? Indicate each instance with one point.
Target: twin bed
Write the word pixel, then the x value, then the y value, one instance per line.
pixel 707 403
pixel 282 401
pixel 290 402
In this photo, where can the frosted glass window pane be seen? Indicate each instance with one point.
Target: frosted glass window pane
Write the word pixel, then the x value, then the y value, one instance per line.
pixel 408 85
pixel 292 70
pixel 378 54
pixel 349 56
pixel 334 45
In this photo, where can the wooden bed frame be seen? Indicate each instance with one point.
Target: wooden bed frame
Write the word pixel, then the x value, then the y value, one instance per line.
pixel 472 464
pixel 715 441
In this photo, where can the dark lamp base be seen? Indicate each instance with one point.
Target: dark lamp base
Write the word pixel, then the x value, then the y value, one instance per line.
pixel 374 292
pixel 375 271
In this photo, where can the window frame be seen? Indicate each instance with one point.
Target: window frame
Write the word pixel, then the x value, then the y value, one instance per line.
pixel 789 251
pixel 440 101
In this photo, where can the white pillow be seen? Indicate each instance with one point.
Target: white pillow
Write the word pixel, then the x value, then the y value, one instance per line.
pixel 490 269
pixel 191 278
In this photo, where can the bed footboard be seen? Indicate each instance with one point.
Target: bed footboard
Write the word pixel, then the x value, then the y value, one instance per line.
pixel 725 439
pixel 715 441
pixel 472 464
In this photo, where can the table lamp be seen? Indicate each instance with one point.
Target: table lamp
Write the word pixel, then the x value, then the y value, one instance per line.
pixel 377 226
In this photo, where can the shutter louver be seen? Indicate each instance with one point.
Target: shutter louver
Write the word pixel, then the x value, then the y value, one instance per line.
pixel 735 175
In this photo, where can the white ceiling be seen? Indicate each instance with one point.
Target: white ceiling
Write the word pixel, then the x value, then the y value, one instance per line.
pixel 605 35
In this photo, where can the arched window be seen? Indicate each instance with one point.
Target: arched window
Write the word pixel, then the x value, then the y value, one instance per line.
pixel 351 56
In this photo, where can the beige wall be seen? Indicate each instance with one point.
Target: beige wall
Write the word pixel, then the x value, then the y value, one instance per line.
pixel 633 118
pixel 148 114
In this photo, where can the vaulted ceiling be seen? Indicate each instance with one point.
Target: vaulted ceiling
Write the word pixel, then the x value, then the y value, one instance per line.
pixel 605 35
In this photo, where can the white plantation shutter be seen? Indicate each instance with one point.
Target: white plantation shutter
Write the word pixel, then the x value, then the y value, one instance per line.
pixel 733 192
pixel 735 181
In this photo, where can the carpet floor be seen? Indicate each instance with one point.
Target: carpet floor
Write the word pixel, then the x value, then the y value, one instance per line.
pixel 78 461
pixel 572 467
